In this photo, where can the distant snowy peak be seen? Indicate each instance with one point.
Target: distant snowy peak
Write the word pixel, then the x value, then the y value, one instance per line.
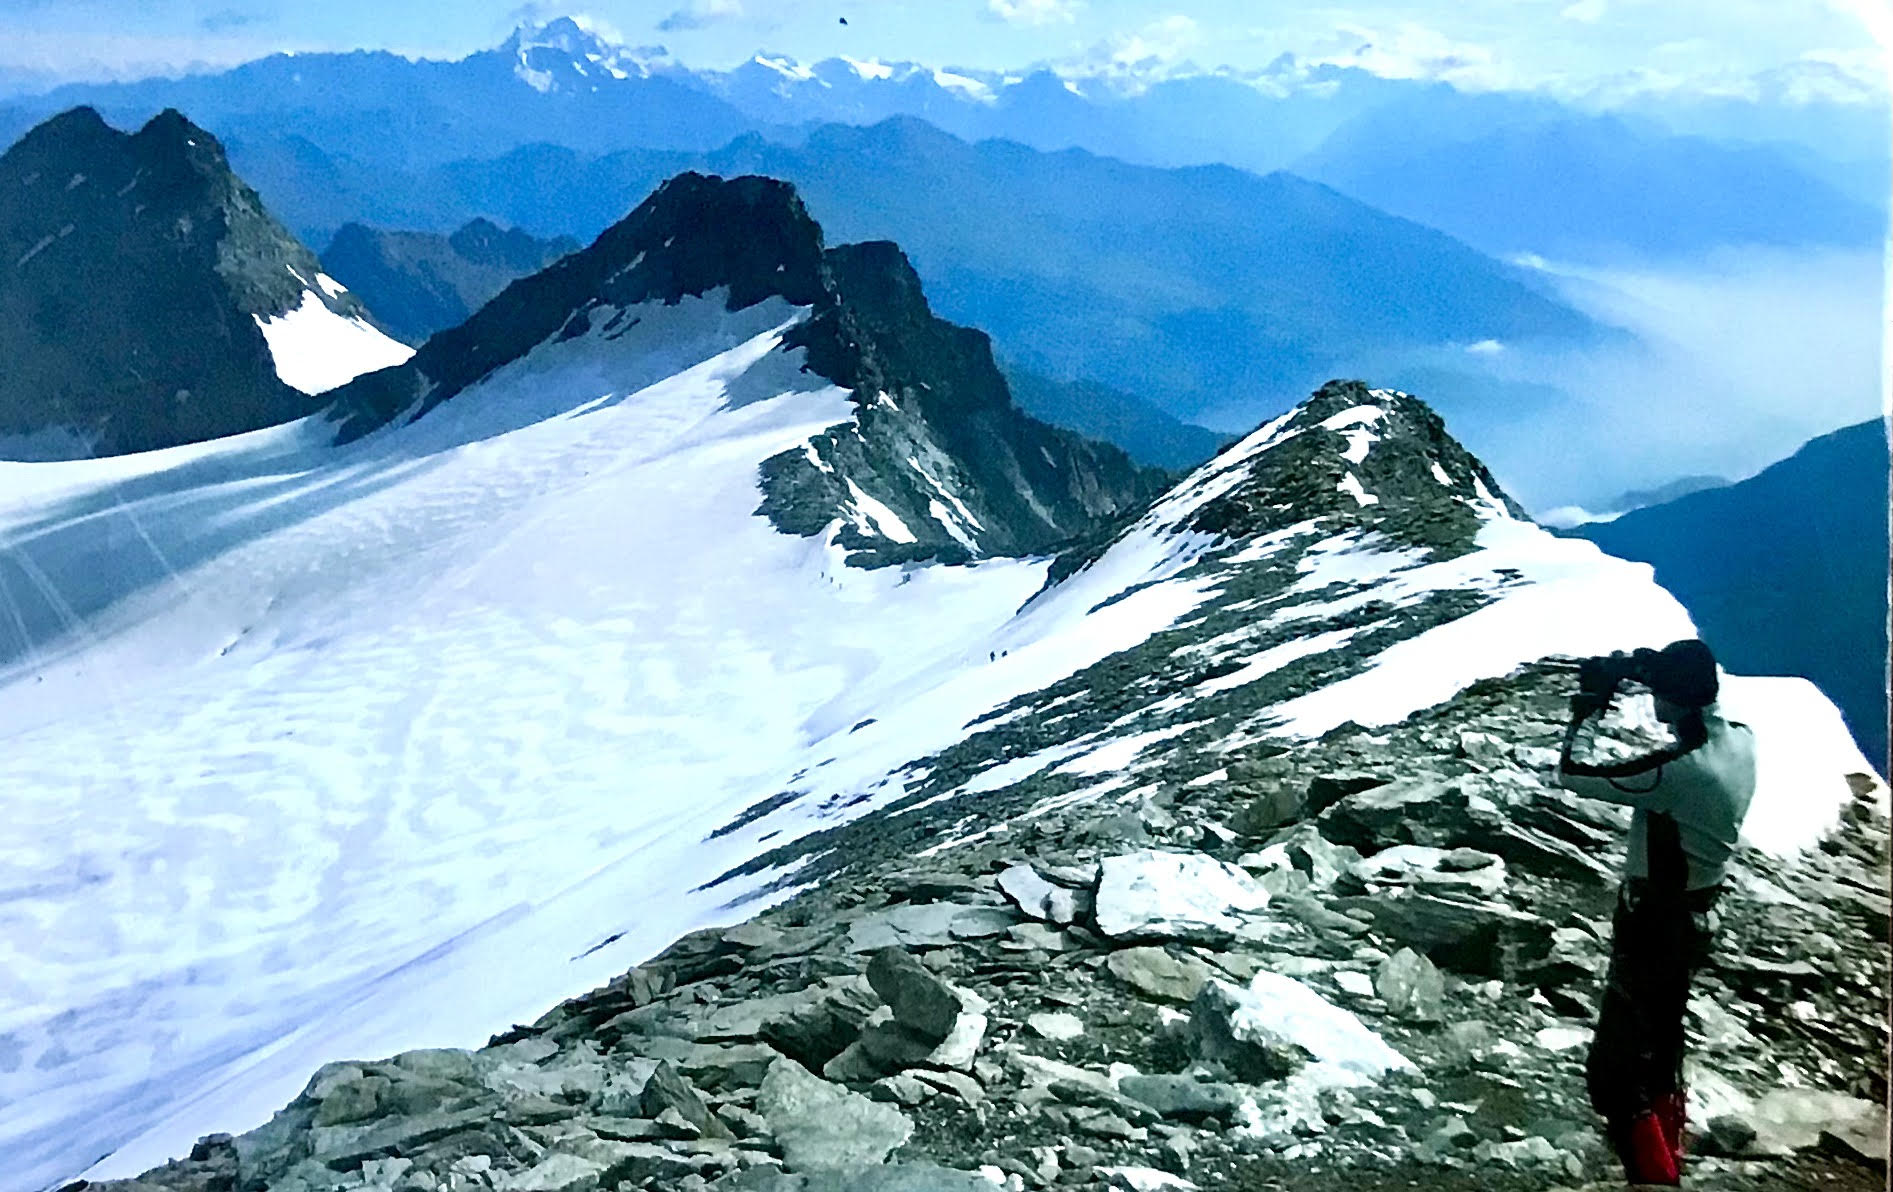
pixel 936 462
pixel 568 54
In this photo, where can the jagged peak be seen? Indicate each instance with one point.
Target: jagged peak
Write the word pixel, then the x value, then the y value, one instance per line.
pixel 1378 458
pixel 543 55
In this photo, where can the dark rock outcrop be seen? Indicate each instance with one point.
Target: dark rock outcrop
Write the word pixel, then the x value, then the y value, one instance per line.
pixel 132 270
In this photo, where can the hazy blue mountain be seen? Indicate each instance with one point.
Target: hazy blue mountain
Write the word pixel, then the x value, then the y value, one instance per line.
pixel 1682 486
pixel 1504 171
pixel 1195 289
pixel 1509 174
pixel 1785 573
pixel 417 283
pixel 555 83
pixel 1147 434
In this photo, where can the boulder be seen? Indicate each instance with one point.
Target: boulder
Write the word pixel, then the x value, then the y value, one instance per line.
pixel 821 1125
pixel 1185 896
pixel 1411 986
pixel 1031 893
pixel 1261 1031
pixel 1183 1097
pixel 814 1026
pixel 1434 869
pixel 1056 1026
pixel 667 1090
pixel 1472 936
pixel 920 1001
pixel 1157 974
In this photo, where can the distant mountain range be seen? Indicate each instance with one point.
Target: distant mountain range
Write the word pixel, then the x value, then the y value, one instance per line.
pixel 148 299
pixel 1510 175
pixel 1506 171
pixel 1137 278
pixel 418 283
pixel 1785 572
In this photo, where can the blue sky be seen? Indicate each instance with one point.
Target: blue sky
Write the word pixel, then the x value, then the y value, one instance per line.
pixel 1567 45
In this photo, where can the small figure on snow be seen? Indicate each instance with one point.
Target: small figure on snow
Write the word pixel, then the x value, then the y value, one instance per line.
pixel 1689 799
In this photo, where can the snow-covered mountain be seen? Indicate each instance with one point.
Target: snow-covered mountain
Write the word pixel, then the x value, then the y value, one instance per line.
pixel 936 461
pixel 366 746
pixel 1379 139
pixel 150 300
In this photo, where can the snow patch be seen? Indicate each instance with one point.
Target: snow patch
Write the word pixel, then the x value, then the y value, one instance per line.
pixel 1351 485
pixel 316 350
pixel 874 517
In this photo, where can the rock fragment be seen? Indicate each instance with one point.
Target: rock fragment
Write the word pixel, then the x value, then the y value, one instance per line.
pixel 823 1125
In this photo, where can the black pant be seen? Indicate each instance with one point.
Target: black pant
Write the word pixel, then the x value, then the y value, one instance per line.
pixel 1659 939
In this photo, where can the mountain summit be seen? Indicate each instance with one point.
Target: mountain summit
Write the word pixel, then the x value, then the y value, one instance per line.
pixel 148 299
pixel 934 459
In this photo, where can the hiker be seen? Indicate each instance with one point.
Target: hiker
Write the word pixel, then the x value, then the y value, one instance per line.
pixel 1689 799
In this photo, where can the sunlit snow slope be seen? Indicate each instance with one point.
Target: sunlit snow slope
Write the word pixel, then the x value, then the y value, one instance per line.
pixel 354 750
pixel 316 349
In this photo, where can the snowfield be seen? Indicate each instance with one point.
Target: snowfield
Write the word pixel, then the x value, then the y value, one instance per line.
pixel 316 350
pixel 316 753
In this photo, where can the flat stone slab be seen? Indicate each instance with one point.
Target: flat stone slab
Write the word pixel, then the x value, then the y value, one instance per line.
pixel 1185 896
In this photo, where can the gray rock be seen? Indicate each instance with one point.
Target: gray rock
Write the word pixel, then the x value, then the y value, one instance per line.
pixel 1163 895
pixel 1267 809
pixel 1221 1034
pixel 345 1101
pixel 1157 974
pixel 965 1087
pixel 815 1026
pixel 920 1001
pixel 1304 850
pixel 1860 1141
pixel 930 924
pixel 667 1090
pixel 554 1173
pixel 1056 1026
pixel 1028 891
pixel 1412 986
pixel 1439 870
pixel 343 1147
pixel 1182 1097
pixel 892 1177
pixel 823 1125
pixel 1467 935
pixel 901 1089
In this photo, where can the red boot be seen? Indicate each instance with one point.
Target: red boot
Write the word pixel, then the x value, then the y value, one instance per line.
pixel 1646 1152
pixel 1673 1111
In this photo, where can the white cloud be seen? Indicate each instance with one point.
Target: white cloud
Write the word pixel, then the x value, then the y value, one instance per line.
pixel 1035 12
pixel 699 13
pixel 1408 50
pixel 1156 50
pixel 1588 12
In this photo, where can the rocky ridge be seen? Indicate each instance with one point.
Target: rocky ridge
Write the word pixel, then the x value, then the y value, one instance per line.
pixel 937 462
pixel 1175 918
pixel 149 251
pixel 1394 989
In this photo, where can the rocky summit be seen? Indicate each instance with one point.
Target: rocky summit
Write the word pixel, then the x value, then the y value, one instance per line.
pixel 147 298
pixel 937 461
pixel 1277 898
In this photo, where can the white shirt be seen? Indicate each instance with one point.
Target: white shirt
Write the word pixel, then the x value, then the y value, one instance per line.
pixel 1706 790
